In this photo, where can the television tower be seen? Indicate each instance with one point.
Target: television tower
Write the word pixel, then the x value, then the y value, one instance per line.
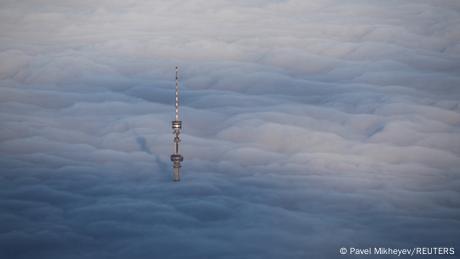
pixel 176 158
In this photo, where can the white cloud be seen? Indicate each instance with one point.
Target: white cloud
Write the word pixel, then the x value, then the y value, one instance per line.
pixel 308 126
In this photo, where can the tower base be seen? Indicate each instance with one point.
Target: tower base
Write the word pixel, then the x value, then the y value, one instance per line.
pixel 176 175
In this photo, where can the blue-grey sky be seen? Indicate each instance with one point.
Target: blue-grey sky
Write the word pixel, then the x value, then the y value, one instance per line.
pixel 307 126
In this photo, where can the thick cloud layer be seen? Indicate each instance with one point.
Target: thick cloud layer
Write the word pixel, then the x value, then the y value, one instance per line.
pixel 308 126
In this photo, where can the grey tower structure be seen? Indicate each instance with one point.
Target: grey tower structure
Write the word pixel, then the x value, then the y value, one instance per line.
pixel 177 158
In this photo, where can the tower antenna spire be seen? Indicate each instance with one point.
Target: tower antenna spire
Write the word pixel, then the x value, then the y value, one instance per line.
pixel 177 93
pixel 176 157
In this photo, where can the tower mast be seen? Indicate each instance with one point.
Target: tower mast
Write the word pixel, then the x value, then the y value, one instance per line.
pixel 176 157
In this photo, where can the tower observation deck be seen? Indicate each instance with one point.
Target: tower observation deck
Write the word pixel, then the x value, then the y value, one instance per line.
pixel 176 157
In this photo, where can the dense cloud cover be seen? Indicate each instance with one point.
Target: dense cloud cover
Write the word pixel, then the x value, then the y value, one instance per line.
pixel 308 126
